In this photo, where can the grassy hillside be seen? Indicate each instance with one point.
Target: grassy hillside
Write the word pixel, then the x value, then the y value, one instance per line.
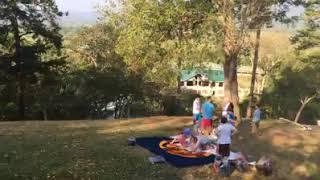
pixel 98 150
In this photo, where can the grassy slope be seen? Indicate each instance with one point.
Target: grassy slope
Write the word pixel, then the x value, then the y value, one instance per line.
pixel 98 150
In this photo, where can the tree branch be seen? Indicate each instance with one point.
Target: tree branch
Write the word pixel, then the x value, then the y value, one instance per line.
pixel 24 34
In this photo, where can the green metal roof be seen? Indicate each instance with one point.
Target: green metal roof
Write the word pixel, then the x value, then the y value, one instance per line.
pixel 213 75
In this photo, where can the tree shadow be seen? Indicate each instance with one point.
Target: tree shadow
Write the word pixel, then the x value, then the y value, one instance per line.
pixel 290 160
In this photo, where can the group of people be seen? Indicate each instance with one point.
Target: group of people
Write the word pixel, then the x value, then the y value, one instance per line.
pixel 205 131
pixel 216 139
pixel 204 115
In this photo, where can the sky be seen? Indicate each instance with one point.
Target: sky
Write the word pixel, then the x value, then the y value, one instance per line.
pixel 78 5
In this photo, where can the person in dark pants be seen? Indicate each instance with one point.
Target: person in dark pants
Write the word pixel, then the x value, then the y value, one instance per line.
pixel 224 132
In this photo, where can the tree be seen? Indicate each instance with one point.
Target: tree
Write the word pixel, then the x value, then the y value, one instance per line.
pixel 307 40
pixel 32 28
pixel 264 18
pixel 271 56
pixel 237 17
pixel 99 74
pixel 254 71
pixel 160 37
pixel 307 46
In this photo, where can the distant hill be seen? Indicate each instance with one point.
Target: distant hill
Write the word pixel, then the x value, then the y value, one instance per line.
pixel 79 18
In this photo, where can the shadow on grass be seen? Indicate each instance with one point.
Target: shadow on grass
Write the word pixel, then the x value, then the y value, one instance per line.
pixel 285 146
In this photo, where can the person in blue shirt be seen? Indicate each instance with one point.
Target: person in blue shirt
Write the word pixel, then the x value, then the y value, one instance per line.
pixel 207 112
pixel 256 120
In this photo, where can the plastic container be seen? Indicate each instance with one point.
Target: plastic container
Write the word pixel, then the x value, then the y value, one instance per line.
pixel 131 141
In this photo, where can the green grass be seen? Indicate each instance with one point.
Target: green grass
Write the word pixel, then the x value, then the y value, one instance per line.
pixel 98 150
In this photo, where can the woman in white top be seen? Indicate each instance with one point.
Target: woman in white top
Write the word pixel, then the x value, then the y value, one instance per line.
pixel 196 110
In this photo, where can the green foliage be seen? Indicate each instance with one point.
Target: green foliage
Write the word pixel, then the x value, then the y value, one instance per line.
pixel 135 54
pixel 290 85
pixel 30 44
pixel 162 38
pixel 37 19
pixel 293 77
pixel 307 40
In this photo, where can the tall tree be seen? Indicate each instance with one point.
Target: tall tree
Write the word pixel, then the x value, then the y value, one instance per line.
pixel 33 28
pixel 307 46
pixel 264 18
pixel 157 37
pixel 237 18
pixel 254 71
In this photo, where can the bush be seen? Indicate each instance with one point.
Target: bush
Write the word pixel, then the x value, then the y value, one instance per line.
pixel 179 104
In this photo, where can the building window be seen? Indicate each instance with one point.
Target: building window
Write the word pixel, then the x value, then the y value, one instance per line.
pixel 181 83
pixel 190 83
pixel 220 84
pixel 213 84
pixel 205 83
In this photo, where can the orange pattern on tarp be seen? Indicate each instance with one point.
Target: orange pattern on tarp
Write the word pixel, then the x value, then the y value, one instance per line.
pixel 174 149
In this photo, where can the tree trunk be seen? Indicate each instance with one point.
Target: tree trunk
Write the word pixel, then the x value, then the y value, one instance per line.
pixel 263 82
pixel 296 119
pixel 254 70
pixel 45 114
pixel 231 48
pixel 231 83
pixel 178 86
pixel 179 76
pixel 19 69
pixel 304 102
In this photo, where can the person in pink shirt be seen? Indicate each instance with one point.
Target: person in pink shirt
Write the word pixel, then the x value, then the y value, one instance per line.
pixel 184 138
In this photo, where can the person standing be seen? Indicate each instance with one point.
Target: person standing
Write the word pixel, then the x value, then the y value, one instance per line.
pixel 196 110
pixel 207 112
pixel 228 112
pixel 224 132
pixel 256 120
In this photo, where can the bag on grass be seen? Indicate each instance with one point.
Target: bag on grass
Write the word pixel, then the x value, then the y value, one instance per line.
pixel 156 159
pixel 225 169
pixel 242 166
pixel 264 166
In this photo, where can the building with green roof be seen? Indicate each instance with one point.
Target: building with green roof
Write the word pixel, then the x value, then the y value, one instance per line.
pixel 210 82
pixel 204 82
pixel 212 75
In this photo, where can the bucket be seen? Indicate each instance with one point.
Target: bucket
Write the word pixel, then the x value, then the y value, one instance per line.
pixel 131 141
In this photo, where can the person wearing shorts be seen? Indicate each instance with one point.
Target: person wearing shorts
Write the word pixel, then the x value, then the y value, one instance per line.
pixel 224 132
pixel 208 112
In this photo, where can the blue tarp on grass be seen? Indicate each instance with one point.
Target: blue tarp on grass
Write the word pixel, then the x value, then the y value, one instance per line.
pixel 152 144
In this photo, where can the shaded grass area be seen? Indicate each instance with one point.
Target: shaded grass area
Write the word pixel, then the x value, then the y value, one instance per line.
pixel 98 150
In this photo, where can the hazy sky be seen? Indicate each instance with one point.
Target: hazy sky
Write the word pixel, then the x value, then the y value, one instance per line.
pixel 78 5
